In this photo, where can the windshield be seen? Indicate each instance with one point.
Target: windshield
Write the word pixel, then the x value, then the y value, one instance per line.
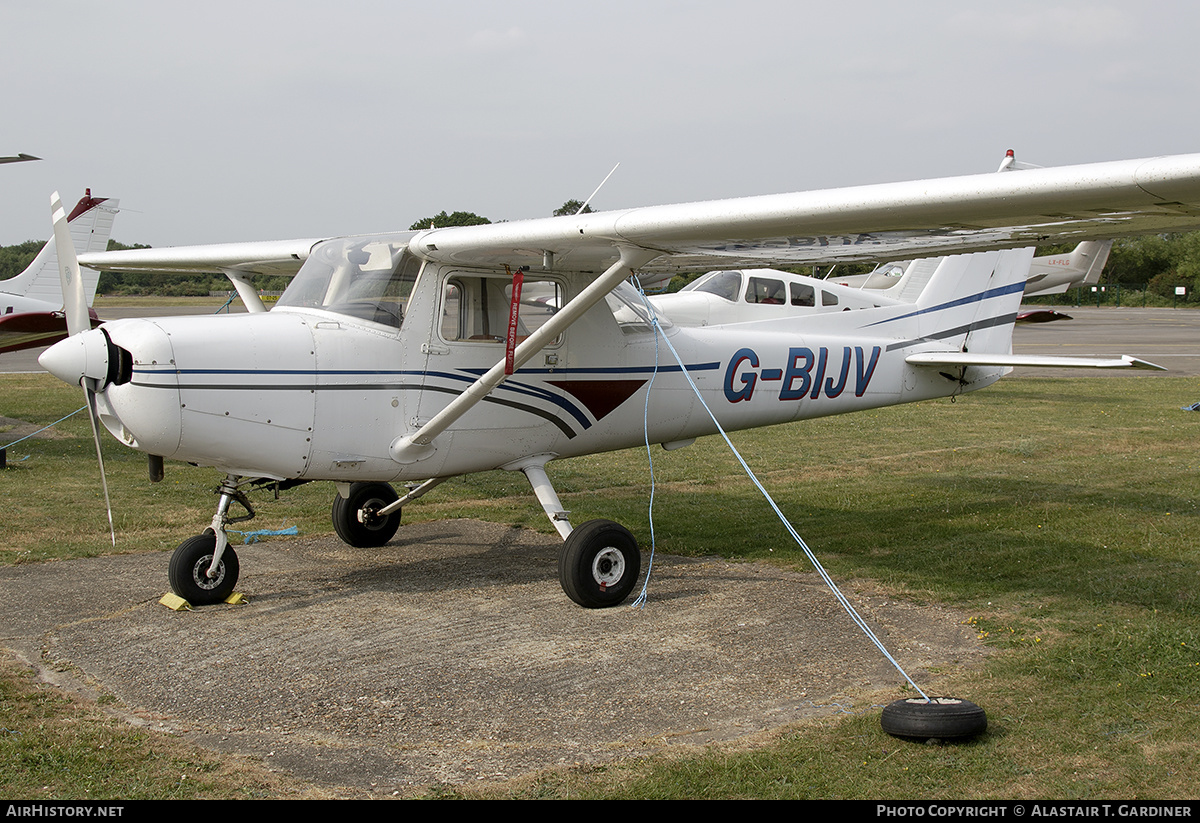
pixel 629 310
pixel 369 278
pixel 726 284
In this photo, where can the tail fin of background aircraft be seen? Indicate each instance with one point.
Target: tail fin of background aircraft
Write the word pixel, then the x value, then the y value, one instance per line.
pixel 1058 272
pixel 971 300
pixel 91 224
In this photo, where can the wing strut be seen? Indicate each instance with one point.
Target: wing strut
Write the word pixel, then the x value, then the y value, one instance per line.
pixel 418 445
pixel 245 290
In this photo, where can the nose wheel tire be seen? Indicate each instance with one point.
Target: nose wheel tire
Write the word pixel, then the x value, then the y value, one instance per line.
pixel 599 563
pixel 188 571
pixel 355 519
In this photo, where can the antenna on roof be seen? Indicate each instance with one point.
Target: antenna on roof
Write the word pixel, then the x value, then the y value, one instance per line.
pixel 593 194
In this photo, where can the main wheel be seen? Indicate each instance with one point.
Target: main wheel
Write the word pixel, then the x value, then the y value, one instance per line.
pixel 947 718
pixel 599 564
pixel 355 519
pixel 188 571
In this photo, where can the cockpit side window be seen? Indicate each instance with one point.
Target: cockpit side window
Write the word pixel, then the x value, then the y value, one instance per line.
pixel 476 307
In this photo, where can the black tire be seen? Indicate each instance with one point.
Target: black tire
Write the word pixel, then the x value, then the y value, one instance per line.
pixel 188 571
pixel 599 564
pixel 354 517
pixel 946 718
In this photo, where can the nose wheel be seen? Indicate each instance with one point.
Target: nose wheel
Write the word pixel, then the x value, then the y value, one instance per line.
pixel 192 576
pixel 204 569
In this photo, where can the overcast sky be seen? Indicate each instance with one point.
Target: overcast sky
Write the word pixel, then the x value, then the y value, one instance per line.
pixel 224 121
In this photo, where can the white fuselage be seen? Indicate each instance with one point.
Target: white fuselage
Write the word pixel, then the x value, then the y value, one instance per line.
pixel 311 393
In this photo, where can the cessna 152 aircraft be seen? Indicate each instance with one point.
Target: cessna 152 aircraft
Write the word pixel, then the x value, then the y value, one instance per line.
pixel 412 357
pixel 31 304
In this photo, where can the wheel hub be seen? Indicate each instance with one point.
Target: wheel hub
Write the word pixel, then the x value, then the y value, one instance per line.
pixel 608 567
pixel 200 573
pixel 369 517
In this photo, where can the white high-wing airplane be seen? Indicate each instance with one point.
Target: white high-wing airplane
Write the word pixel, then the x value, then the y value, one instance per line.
pixel 411 356
pixel 31 303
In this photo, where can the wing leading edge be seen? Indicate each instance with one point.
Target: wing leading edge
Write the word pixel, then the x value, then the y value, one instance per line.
pixel 889 221
pixel 259 257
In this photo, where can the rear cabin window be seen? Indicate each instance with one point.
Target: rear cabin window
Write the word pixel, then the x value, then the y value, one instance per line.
pixel 803 295
pixel 629 310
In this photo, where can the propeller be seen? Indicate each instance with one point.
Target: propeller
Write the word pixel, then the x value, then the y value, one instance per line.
pixel 75 309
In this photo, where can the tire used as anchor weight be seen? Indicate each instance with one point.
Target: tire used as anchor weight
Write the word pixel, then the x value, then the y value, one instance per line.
pixel 599 563
pixel 355 519
pixel 947 718
pixel 188 571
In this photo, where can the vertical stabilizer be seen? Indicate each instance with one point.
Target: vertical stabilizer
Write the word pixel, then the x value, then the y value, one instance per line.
pixel 971 301
pixel 91 224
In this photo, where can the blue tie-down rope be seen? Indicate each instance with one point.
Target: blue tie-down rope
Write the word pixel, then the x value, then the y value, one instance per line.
pixel 812 558
pixel 253 537
pixel 43 428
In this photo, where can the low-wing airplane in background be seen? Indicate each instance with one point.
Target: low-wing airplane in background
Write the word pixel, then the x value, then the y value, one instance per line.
pixel 31 303
pixel 1050 274
pixel 1056 273
pixel 412 357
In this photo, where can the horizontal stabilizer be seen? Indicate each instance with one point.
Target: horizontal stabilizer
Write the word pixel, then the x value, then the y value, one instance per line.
pixel 955 358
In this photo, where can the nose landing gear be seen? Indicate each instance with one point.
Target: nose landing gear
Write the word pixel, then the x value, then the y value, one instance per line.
pixel 204 569
pixel 191 572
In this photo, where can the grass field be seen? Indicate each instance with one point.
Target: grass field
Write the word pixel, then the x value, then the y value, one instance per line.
pixel 1060 514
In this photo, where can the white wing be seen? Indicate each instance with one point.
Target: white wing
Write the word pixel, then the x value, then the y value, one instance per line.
pixel 883 222
pixel 889 221
pixel 260 257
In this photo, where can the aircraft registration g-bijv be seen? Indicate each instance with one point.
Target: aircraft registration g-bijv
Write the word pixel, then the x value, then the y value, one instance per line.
pixel 413 357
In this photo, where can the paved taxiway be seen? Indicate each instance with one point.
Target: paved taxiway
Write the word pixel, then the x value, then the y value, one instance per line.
pixel 1165 337
pixel 451 655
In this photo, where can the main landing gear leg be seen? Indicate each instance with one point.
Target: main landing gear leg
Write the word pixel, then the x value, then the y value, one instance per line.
pixel 599 562
pixel 204 569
